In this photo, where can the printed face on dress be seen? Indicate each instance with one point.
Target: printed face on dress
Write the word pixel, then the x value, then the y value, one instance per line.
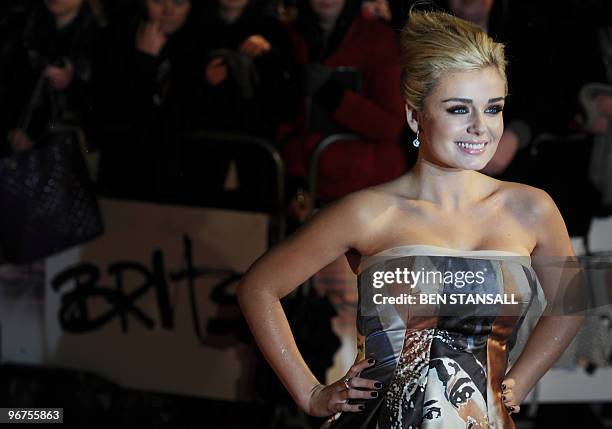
pixel 327 10
pixel 461 121
pixel 63 7
pixel 453 397
pixel 171 14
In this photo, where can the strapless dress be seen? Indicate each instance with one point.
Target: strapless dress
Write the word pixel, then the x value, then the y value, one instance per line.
pixel 442 354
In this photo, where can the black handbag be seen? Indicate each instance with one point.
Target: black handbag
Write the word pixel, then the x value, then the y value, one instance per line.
pixel 47 199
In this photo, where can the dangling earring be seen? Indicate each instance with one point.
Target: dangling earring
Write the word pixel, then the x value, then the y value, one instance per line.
pixel 416 141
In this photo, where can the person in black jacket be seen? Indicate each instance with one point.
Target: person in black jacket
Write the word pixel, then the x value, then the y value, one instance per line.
pixel 244 87
pixel 45 71
pixel 248 70
pixel 143 99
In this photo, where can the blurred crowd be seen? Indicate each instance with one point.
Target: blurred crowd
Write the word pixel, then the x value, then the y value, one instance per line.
pixel 143 78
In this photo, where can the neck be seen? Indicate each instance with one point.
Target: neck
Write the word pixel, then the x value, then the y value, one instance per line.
pixel 327 24
pixel 453 189
pixel 230 14
pixel 65 19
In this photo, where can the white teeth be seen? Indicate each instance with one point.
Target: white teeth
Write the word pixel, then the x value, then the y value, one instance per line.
pixel 471 145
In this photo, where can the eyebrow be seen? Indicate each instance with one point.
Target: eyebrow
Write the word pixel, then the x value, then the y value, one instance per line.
pixel 432 401
pixel 469 101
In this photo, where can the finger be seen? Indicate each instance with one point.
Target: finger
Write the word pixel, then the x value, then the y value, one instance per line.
pixel 263 49
pixel 354 408
pixel 513 409
pixel 251 47
pixel 507 396
pixel 244 45
pixel 352 393
pixel 508 383
pixel 365 383
pixel 361 394
pixel 248 48
pixel 218 71
pixel 261 41
pixel 358 367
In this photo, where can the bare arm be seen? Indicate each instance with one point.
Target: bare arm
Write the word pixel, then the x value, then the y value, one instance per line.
pixel 330 234
pixel 554 330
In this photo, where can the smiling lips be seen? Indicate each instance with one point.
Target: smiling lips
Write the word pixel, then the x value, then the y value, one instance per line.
pixel 472 148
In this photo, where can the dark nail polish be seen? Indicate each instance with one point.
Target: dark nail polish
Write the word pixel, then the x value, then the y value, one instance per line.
pixel 378 384
pixel 371 360
pixel 503 386
pixel 374 394
pixel 361 407
pixel 503 398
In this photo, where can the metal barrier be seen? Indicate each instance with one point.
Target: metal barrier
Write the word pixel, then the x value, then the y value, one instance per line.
pixel 278 223
pixel 313 163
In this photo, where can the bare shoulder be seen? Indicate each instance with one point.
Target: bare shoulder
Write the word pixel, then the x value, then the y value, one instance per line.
pixel 365 213
pixel 365 206
pixel 533 201
pixel 533 207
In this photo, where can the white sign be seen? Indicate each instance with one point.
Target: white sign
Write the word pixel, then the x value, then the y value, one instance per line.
pixel 151 303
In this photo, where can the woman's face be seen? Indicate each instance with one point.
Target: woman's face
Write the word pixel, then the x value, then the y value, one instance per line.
pixel 471 10
pixel 328 10
pixel 171 14
pixel 63 7
pixel 456 400
pixel 461 121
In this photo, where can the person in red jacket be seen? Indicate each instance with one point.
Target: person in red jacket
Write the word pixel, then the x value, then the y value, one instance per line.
pixel 351 80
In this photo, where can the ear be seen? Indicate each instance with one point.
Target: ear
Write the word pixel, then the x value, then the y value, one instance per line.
pixel 411 118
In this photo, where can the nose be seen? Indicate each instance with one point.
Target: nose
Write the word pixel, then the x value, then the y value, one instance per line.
pixel 168 5
pixel 477 125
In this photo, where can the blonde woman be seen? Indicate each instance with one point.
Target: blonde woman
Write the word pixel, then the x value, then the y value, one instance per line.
pixel 443 365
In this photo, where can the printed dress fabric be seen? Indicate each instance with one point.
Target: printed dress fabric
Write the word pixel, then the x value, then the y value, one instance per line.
pixel 441 362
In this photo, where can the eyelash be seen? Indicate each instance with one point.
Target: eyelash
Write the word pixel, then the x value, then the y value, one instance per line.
pixel 455 110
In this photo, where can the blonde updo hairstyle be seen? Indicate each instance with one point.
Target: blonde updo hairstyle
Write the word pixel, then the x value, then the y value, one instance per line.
pixel 433 43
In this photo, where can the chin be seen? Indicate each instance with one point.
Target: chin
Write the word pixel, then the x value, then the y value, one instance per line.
pixel 476 166
pixel 462 164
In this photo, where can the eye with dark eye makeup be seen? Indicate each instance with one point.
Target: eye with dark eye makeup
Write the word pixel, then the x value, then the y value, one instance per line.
pixel 498 108
pixel 462 110
pixel 458 110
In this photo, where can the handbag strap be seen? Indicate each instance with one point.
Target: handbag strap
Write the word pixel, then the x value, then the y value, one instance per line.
pixel 32 102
